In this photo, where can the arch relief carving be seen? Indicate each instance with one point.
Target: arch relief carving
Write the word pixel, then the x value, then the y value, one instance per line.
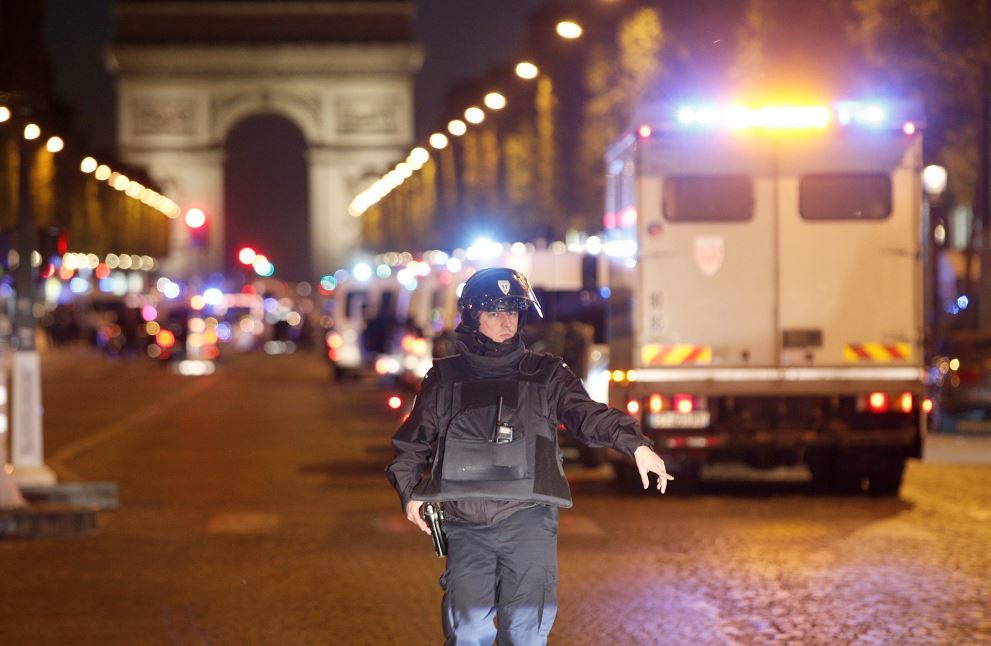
pixel 302 108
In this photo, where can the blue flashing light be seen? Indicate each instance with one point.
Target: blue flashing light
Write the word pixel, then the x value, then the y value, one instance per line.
pixel 362 272
pixel 963 302
pixel 79 285
pixel 605 292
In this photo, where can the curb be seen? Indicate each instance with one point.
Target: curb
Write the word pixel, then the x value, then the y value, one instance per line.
pixel 48 520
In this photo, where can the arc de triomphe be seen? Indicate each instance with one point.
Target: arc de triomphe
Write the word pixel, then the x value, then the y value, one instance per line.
pixel 189 71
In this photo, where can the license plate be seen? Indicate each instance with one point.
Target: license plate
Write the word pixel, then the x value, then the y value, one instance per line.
pixel 672 419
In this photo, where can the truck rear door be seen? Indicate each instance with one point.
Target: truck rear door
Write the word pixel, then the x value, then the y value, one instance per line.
pixel 707 250
pixel 849 280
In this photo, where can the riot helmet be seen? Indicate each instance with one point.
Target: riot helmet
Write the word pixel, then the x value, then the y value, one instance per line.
pixel 497 289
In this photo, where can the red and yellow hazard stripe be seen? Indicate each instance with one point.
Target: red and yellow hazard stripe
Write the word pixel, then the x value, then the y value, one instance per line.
pixel 877 352
pixel 653 354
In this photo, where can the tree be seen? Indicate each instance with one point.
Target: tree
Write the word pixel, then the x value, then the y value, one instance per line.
pixel 941 50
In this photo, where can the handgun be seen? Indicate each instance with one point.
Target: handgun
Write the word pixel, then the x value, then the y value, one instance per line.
pixel 435 518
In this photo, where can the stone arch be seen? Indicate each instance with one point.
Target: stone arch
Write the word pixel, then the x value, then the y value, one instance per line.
pixel 188 72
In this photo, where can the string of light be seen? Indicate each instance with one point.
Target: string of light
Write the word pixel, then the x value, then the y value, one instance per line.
pixel 102 172
pixel 473 115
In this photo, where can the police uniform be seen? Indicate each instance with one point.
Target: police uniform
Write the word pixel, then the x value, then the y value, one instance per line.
pixel 486 423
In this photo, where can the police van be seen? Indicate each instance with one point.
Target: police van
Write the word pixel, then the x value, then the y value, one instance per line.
pixel 766 290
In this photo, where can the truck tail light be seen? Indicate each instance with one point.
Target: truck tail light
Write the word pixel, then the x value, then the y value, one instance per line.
pixel 633 407
pixel 878 402
pixel 684 403
pixel 905 402
pixel 655 403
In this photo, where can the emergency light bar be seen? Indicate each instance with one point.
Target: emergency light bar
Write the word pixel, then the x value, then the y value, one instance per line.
pixel 903 115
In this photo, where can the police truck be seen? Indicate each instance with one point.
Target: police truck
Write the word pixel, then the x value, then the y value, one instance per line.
pixel 766 300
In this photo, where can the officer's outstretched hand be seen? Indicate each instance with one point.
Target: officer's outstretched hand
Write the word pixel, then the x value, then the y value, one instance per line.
pixel 413 514
pixel 650 462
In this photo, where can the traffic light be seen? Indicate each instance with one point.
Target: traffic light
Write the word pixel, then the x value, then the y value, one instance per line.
pixel 196 221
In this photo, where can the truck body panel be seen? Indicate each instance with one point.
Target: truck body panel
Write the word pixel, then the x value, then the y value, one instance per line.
pixel 768 286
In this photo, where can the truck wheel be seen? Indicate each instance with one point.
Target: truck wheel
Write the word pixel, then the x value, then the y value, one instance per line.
pixel 886 478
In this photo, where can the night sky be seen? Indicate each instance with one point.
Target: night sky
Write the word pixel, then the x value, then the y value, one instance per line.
pixel 461 38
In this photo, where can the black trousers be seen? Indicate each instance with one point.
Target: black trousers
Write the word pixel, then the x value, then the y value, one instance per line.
pixel 507 571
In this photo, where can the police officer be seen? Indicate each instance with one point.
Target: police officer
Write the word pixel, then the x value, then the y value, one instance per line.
pixel 485 423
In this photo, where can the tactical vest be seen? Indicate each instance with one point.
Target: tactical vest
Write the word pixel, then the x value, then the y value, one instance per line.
pixel 469 464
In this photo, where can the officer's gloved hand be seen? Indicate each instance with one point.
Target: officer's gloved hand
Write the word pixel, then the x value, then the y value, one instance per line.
pixel 413 514
pixel 650 462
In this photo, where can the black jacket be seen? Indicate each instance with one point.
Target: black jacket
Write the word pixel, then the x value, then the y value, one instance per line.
pixel 421 437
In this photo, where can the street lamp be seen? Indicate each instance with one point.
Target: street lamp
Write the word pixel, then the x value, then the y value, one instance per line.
pixel 494 101
pixel 569 29
pixel 934 180
pixel 526 70
pixel 474 115
pixel 54 144
pixel 438 140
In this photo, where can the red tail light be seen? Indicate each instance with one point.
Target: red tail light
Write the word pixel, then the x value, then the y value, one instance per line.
pixel 878 402
pixel 905 402
pixel 633 407
pixel 684 403
pixel 395 402
pixel 927 405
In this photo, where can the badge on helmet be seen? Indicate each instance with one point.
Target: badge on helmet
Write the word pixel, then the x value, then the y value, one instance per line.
pixel 498 289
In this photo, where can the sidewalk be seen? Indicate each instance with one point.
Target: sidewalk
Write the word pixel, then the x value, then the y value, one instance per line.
pixel 958 449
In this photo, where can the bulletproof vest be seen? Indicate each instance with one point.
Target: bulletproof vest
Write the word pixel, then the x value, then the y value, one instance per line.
pixel 476 457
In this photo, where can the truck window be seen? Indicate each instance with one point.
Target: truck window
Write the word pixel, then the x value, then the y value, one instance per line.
pixel 846 196
pixel 708 198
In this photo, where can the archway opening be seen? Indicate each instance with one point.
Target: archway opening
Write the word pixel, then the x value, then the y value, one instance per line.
pixel 267 196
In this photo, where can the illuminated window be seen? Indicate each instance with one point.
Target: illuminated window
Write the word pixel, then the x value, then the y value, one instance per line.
pixel 845 196
pixel 708 198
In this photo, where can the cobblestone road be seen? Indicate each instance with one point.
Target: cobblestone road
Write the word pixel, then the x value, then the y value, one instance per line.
pixel 254 511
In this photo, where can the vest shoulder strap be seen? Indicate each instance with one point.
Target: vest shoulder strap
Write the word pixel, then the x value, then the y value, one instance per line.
pixel 451 369
pixel 538 367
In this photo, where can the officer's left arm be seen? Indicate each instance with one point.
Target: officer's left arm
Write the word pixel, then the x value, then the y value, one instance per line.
pixel 593 423
pixel 597 425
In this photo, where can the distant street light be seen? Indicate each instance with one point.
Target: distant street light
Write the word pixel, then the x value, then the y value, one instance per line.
pixel 88 165
pixel 474 115
pixel 526 70
pixel 32 131
pixel 934 180
pixel 4 113
pixel 438 140
pixel 457 127
pixel 495 101
pixel 55 144
pixel 569 29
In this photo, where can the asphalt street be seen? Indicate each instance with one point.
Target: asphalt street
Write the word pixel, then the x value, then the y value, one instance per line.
pixel 254 510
